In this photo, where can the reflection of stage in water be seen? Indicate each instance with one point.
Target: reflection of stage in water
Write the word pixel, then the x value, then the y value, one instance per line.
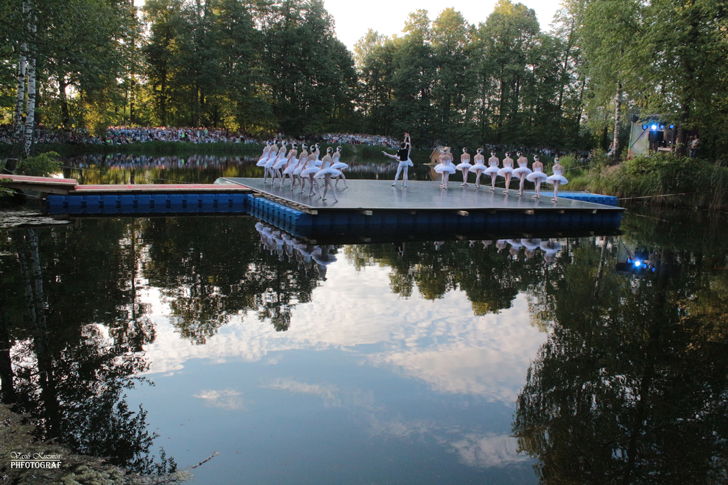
pixel 286 246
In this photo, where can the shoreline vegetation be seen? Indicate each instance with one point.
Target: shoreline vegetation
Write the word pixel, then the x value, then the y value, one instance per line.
pixel 663 179
pixel 16 436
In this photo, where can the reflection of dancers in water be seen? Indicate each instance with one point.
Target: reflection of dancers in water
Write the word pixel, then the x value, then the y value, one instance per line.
pixel 537 176
pixel 339 165
pixel 556 179
pixel 501 244
pixel 403 157
pixel 492 170
pixel 486 243
pixel 302 163
pixel 464 166
pixel 479 166
pixel 530 245
pixel 323 258
pixel 507 170
pixel 550 249
pixel 522 172
pixel 445 167
pixel 290 165
pixel 326 173
pixel 515 247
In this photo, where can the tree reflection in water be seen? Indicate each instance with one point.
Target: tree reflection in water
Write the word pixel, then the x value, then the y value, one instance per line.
pixel 631 385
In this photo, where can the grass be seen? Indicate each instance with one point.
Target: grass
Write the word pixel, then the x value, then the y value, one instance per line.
pixel 661 180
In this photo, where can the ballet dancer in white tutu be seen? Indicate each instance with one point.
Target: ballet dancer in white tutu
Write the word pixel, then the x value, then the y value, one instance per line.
pixel 290 165
pixel 261 161
pixel 522 172
pixel 311 170
pixel 492 170
pixel 478 167
pixel 556 179
pixel 464 166
pixel 341 166
pixel 326 172
pixel 537 176
pixel 302 161
pixel 507 170
pixel 403 157
pixel 280 162
pixel 272 160
pixel 445 167
pixel 272 153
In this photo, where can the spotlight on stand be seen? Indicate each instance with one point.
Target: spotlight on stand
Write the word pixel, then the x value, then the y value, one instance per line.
pixel 654 127
pixel 644 127
pixel 672 127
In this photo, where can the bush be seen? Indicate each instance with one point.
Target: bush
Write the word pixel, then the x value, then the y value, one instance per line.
pixel 41 166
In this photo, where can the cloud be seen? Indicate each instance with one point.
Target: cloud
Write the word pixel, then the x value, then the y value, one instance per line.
pixel 228 399
pixel 327 392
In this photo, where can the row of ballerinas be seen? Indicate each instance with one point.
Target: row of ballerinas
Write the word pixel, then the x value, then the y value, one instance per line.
pixel 446 167
pixel 549 247
pixel 284 245
pixel 281 162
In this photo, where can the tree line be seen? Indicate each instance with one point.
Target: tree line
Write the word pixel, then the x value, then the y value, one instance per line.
pixel 268 66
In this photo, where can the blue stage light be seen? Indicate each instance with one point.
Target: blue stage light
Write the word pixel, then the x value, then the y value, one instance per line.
pixel 672 126
pixel 654 127
pixel 662 127
pixel 637 263
pixel 644 127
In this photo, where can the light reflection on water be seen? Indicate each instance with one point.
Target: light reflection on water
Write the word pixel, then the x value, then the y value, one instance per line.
pixel 449 361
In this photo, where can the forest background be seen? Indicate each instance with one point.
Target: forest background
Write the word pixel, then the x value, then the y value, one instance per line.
pixel 267 66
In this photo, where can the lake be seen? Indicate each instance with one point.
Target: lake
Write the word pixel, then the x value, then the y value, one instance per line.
pixel 592 359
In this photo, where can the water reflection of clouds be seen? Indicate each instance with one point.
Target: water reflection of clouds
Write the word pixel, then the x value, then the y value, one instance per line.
pixel 444 345
pixel 227 399
pixel 327 392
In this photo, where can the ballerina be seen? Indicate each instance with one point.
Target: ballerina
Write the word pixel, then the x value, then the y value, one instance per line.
pixel 537 176
pixel 290 165
pixel 264 156
pixel 479 166
pixel 507 170
pixel 492 169
pixel 522 172
pixel 272 152
pixel 556 179
pixel 403 157
pixel 280 162
pixel 310 171
pixel 445 167
pixel 272 159
pixel 550 249
pixel 464 166
pixel 302 160
pixel 326 173
pixel 341 166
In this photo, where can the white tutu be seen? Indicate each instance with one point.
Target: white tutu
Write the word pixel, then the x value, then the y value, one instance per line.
pixel 279 162
pixel 445 168
pixel 318 163
pixel 521 170
pixel 552 248
pixel 557 177
pixel 263 160
pixel 310 170
pixel 324 171
pixel 340 166
pixel 479 166
pixel 270 162
pixel 299 168
pixel 502 172
pixel 536 176
pixel 492 169
pixel 291 168
pixel 463 165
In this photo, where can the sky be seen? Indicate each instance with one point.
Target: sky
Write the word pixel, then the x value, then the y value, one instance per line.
pixel 387 17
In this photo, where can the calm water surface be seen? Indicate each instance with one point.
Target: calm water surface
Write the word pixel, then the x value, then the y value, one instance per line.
pixel 456 361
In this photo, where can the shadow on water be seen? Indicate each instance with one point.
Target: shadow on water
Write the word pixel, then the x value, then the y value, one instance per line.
pixel 629 387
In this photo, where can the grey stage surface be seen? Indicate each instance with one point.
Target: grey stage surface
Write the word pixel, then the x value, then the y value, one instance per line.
pixel 418 195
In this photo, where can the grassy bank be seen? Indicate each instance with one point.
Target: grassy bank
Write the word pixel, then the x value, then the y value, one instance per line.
pixel 662 180
pixel 353 152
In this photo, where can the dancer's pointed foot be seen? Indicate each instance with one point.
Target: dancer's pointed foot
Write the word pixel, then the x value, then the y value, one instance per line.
pixel 492 189
pixel 505 191
pixel 535 196
pixel 554 199
pixel 520 193
pixel 394 183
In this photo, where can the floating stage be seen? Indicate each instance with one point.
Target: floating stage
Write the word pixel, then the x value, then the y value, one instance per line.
pixel 369 210
pixel 372 207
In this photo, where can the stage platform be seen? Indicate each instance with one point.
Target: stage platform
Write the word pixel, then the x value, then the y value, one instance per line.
pixel 376 195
